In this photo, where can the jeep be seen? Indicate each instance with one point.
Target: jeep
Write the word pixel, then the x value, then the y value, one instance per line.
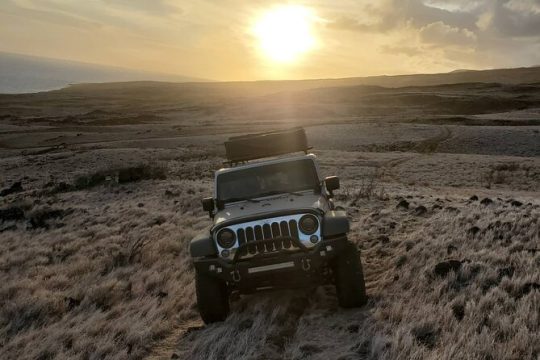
pixel 275 226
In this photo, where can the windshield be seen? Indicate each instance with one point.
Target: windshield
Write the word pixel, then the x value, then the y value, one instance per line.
pixel 267 180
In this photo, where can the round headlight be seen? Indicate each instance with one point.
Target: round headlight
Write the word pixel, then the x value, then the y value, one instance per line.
pixel 308 224
pixel 226 238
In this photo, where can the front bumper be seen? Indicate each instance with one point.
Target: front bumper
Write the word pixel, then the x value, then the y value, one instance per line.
pixel 283 269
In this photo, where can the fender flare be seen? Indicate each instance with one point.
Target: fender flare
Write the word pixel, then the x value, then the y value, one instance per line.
pixel 202 245
pixel 335 222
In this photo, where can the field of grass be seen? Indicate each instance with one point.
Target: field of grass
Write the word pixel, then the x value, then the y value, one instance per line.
pixel 95 231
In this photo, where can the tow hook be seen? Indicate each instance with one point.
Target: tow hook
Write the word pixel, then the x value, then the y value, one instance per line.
pixel 306 264
pixel 236 275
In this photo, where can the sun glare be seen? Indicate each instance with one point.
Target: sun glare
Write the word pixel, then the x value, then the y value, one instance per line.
pixel 284 33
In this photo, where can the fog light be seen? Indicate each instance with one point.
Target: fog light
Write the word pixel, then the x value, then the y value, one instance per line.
pixel 314 238
pixel 225 253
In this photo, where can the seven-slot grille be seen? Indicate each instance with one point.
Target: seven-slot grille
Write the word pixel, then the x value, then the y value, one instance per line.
pixel 280 232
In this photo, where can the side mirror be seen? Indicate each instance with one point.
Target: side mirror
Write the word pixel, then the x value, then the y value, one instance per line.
pixel 332 183
pixel 208 205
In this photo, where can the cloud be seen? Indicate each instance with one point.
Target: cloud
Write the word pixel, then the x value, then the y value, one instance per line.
pixel 151 7
pixel 517 18
pixel 410 51
pixel 398 13
pixel 441 34
pixel 49 12
pixel 351 24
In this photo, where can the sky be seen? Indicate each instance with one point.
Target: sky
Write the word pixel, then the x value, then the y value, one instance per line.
pixel 260 39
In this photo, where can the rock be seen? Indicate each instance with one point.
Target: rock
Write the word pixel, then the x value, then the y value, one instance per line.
pixel 245 325
pixel 450 249
pixel 420 210
pixel 384 239
pixel 140 205
pixel 39 218
pixel 459 311
pixel 62 187
pixel 474 230
pixel 353 328
pixel 71 303
pixel 436 207
pixel 401 261
pixel 516 203
pixel 426 335
pixel 506 271
pixel 175 356
pixel 486 201
pixel 444 267
pixel 409 245
pixel 15 187
pixel 403 204
pixel 11 214
pixel 473 198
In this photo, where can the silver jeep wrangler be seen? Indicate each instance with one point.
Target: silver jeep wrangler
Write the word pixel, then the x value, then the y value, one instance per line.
pixel 275 226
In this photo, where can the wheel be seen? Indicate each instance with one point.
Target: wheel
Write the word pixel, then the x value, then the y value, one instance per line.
pixel 212 298
pixel 349 278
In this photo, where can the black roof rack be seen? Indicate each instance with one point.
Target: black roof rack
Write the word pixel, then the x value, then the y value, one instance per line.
pixel 243 148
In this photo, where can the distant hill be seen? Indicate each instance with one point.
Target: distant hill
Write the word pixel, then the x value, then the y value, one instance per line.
pixel 522 75
pixel 247 89
pixel 24 74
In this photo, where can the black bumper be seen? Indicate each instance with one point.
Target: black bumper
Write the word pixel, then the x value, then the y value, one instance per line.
pixel 285 269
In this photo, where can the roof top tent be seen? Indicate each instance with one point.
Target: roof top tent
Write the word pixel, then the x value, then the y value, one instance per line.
pixel 243 148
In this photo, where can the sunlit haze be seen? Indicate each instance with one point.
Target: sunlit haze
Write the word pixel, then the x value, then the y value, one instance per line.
pixel 250 40
pixel 284 33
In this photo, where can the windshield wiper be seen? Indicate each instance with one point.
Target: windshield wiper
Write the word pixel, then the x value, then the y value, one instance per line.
pixel 295 193
pixel 280 192
pixel 270 193
pixel 241 199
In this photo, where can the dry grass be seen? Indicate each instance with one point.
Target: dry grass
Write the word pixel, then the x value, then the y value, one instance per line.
pixel 104 272
pixel 100 194
pixel 487 309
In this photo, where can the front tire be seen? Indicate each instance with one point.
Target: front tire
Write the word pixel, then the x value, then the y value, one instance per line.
pixel 212 298
pixel 349 278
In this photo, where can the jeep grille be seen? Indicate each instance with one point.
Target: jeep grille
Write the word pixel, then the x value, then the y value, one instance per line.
pixel 280 232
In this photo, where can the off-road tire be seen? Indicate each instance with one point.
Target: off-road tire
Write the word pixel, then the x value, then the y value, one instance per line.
pixel 349 278
pixel 212 298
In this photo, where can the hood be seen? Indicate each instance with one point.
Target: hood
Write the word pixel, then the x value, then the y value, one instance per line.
pixel 270 205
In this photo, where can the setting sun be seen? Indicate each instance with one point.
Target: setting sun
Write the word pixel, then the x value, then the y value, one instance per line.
pixel 284 33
